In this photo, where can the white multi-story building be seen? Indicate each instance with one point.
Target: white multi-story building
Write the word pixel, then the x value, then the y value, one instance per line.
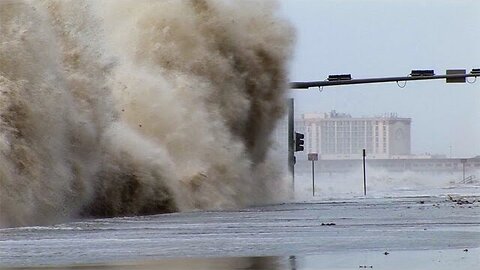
pixel 340 136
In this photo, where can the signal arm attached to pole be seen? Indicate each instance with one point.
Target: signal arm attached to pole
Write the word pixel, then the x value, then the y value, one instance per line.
pixel 451 76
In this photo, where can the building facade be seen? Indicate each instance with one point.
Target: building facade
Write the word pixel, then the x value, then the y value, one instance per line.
pixel 339 136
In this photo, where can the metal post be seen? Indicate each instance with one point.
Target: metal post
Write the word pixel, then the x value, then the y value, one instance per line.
pixel 313 177
pixel 293 262
pixel 463 161
pixel 364 175
pixel 291 143
pixel 312 157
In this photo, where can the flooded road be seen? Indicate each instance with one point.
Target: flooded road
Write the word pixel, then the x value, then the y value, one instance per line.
pixel 336 234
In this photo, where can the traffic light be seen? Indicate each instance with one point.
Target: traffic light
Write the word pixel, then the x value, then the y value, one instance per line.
pixel 299 142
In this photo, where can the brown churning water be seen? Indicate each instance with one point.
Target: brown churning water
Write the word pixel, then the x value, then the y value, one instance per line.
pixel 130 107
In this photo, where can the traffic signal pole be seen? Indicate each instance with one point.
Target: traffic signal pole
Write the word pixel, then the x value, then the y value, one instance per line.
pixel 291 143
pixel 448 77
pixel 295 142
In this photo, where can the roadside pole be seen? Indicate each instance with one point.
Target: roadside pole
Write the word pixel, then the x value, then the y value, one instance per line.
pixel 313 177
pixel 312 157
pixel 364 175
pixel 463 161
pixel 291 143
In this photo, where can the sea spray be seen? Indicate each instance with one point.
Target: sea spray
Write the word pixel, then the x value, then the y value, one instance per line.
pixel 112 108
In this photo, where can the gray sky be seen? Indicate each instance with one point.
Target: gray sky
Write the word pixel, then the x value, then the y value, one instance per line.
pixel 374 38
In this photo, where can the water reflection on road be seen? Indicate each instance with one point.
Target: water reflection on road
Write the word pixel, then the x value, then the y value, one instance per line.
pixel 396 260
pixel 273 263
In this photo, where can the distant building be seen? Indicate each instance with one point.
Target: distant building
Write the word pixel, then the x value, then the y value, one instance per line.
pixel 339 136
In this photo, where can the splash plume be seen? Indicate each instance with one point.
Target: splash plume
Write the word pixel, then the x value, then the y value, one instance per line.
pixel 112 108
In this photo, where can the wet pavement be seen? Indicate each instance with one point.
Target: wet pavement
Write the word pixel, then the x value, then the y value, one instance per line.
pixel 433 232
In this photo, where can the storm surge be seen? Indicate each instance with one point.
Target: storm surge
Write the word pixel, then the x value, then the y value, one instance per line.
pixel 113 108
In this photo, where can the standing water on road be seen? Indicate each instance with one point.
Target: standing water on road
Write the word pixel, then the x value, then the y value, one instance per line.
pixel 439 232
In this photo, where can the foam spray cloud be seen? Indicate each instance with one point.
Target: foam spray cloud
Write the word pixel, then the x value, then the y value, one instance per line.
pixel 112 108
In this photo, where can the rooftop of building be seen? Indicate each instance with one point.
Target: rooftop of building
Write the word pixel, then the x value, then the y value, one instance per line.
pixel 334 115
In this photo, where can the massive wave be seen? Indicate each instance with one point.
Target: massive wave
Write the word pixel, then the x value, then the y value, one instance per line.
pixel 111 108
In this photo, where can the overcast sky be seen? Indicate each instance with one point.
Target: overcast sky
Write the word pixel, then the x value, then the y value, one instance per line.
pixel 374 38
